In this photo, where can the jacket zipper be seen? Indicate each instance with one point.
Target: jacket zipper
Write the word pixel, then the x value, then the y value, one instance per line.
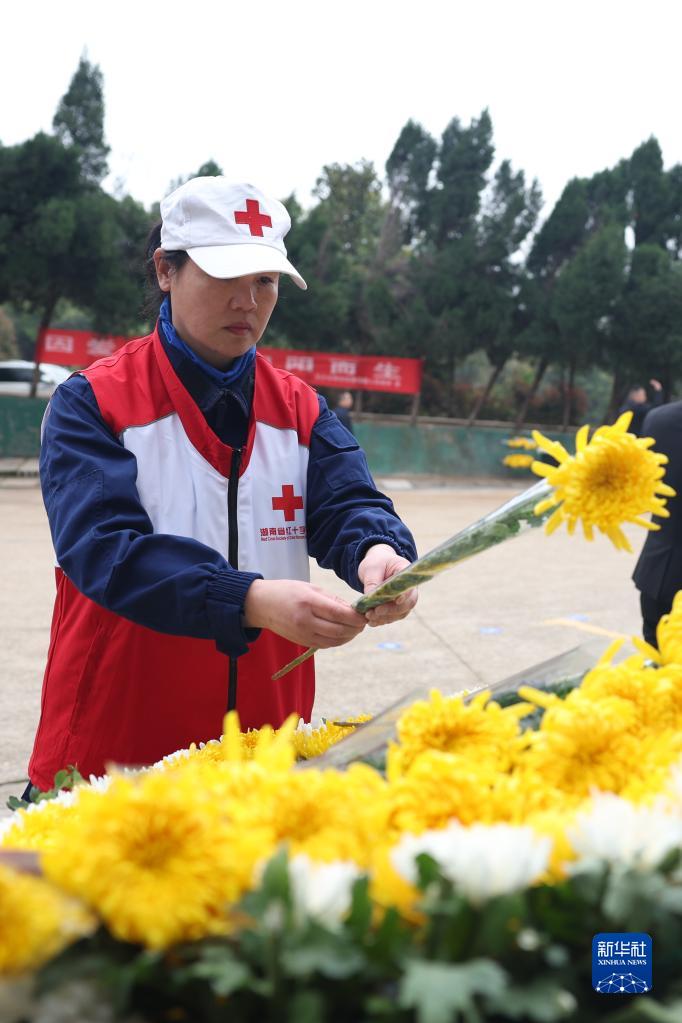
pixel 233 556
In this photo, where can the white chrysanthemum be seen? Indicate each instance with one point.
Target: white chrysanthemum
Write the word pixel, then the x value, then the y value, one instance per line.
pixel 100 783
pixel 322 891
pixel 172 758
pixel 66 797
pixel 674 790
pixel 617 831
pixel 6 824
pixel 482 861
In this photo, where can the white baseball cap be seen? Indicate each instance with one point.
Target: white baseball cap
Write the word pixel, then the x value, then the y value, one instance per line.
pixel 228 230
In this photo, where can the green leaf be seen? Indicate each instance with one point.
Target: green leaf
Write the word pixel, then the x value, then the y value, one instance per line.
pixel 219 968
pixel 15 803
pixel 631 897
pixel 321 952
pixel 391 939
pixel 541 1000
pixel 428 871
pixel 68 778
pixel 306 1007
pixel 645 1010
pixel 499 922
pixel 360 916
pixel 439 992
pixel 275 882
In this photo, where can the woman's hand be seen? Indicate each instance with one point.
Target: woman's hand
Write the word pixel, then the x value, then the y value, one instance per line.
pixel 301 612
pixel 380 563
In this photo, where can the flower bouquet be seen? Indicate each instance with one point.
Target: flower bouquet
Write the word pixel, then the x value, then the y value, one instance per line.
pixel 613 478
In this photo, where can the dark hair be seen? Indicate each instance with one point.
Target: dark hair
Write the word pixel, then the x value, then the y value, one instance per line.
pixel 177 258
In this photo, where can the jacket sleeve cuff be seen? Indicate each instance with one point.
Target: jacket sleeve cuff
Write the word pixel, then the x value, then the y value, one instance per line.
pixel 225 597
pixel 370 541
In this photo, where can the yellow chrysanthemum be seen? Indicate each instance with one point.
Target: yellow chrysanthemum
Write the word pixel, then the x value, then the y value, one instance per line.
pixel 154 858
pixel 36 829
pixel 654 696
pixel 306 742
pixel 669 634
pixel 480 729
pixel 612 479
pixel 36 922
pixel 328 815
pixel 440 787
pixel 554 824
pixel 584 743
pixel 518 461
pixel 389 889
pixel 316 741
pixel 668 637
pixel 527 443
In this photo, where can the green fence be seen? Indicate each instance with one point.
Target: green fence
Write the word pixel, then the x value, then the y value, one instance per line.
pixel 393 448
pixel 20 420
pixel 400 449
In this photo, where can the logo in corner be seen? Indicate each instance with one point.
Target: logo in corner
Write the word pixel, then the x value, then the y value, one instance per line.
pixel 621 963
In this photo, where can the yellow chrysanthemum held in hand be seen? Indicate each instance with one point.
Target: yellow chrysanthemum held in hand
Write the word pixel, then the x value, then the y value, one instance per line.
pixel 613 478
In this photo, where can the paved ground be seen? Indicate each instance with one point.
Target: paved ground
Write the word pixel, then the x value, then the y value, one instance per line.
pixel 487 618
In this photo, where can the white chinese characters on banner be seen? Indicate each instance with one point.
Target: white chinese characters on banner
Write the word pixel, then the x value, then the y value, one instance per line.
pixel 100 346
pixel 343 367
pixel 387 373
pixel 59 343
pixel 299 363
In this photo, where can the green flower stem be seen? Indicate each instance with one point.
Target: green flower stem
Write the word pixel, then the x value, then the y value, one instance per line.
pixel 510 519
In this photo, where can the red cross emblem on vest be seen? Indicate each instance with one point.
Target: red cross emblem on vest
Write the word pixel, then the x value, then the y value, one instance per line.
pixel 287 503
pixel 253 217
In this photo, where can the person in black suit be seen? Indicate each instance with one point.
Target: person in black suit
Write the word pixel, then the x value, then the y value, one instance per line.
pixel 638 403
pixel 658 572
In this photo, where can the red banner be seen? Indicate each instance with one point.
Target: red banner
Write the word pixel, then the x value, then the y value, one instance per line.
pixel 350 372
pixel 322 369
pixel 75 347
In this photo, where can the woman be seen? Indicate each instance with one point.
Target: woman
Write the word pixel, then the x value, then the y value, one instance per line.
pixel 186 482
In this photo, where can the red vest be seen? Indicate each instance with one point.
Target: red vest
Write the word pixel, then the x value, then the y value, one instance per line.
pixel 119 693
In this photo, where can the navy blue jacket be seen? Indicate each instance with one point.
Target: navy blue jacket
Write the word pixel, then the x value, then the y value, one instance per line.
pixel 175 584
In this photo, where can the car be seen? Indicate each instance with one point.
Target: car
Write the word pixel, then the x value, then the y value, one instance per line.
pixel 16 376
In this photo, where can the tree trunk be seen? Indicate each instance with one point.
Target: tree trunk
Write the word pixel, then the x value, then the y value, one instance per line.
pixel 537 379
pixel 43 325
pixel 389 238
pixel 452 363
pixel 568 396
pixel 614 400
pixel 483 396
pixel 321 266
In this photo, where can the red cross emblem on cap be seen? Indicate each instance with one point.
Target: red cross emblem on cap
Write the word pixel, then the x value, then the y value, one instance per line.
pixel 287 503
pixel 253 217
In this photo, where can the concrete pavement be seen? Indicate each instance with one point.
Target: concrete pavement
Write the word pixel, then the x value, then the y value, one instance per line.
pixel 520 603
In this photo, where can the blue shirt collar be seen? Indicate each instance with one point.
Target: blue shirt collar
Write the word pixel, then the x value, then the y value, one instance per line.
pixel 221 378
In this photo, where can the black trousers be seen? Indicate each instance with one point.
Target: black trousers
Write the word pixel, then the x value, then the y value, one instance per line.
pixel 652 610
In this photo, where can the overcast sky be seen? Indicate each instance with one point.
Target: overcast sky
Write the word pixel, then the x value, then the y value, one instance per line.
pixel 272 91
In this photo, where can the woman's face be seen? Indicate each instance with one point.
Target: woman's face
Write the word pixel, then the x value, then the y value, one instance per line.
pixel 219 319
